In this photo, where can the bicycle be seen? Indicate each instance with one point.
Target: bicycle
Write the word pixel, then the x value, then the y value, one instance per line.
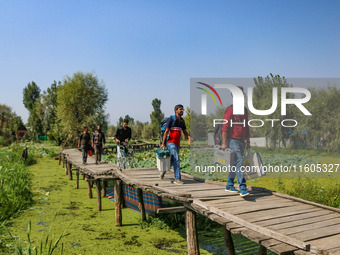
pixel 125 156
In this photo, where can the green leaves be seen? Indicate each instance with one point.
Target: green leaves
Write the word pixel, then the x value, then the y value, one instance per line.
pixel 80 102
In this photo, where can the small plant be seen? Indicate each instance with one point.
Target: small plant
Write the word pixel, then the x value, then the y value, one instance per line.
pixel 47 245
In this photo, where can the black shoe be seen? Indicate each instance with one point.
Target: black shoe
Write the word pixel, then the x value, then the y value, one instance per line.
pixel 162 174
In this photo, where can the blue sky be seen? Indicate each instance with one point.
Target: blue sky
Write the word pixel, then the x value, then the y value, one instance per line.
pixel 150 49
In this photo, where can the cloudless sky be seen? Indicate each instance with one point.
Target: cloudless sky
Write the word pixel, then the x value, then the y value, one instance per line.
pixel 143 50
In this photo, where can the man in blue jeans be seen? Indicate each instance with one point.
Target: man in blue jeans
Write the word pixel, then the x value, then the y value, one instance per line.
pixel 174 127
pixel 236 137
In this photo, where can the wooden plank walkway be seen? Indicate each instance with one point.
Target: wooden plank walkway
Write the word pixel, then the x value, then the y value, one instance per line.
pixel 278 222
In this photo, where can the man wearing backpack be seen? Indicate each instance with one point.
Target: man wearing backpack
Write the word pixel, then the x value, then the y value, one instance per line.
pixel 236 137
pixel 98 142
pixel 174 127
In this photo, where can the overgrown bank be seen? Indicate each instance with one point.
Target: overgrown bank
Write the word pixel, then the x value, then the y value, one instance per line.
pixel 15 190
pixel 91 232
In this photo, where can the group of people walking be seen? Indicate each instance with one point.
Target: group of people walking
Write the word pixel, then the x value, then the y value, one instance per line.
pixel 98 143
pixel 235 137
pixel 123 134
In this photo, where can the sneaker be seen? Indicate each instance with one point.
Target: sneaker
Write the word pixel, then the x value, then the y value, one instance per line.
pixel 178 182
pixel 244 193
pixel 161 175
pixel 231 189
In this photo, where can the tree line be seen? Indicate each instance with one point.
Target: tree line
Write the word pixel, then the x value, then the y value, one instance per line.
pixel 66 107
pixel 9 124
pixel 320 131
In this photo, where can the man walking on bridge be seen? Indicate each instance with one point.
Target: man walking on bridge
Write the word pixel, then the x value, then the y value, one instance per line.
pixel 98 142
pixel 174 127
pixel 123 133
pixel 84 142
pixel 236 137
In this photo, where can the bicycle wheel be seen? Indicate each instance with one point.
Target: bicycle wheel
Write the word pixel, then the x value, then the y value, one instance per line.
pixel 134 165
pixel 124 163
pixel 119 163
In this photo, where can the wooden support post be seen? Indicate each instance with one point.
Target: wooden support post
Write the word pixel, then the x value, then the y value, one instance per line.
pixel 228 240
pixel 104 188
pixel 66 168
pixel 89 186
pixel 83 176
pixel 69 167
pixel 63 160
pixel 262 250
pixel 141 204
pixel 60 158
pixel 99 197
pixel 192 237
pixel 77 179
pixel 118 195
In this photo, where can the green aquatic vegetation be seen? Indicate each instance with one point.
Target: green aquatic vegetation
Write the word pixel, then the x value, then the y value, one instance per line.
pixel 47 245
pixel 15 194
pixel 91 232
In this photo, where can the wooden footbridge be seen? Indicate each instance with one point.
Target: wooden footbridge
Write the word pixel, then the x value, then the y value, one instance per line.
pixel 278 222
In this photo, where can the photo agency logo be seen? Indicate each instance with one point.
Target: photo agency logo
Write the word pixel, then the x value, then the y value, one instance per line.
pixel 282 113
pixel 238 102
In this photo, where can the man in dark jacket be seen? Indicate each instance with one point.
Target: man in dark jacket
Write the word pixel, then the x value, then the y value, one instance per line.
pixel 98 142
pixel 84 144
pixel 123 133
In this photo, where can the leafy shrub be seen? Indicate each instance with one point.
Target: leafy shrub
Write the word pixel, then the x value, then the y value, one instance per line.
pixel 3 141
pixel 15 194
pixel 311 190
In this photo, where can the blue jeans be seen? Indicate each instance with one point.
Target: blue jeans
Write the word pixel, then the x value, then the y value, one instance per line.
pixel 83 149
pixel 175 161
pixel 238 147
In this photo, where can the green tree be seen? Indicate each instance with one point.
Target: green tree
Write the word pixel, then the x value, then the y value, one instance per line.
pixel 156 117
pixel 30 94
pixel 262 100
pixel 80 102
pixel 5 116
pixel 187 119
pixel 9 123
pixel 49 102
pixel 321 130
pixel 199 125
pixel 121 119
pixel 147 131
pixel 111 131
pixel 137 131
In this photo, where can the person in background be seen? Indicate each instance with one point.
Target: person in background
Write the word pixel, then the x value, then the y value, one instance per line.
pixel 98 143
pixel 123 133
pixel 84 144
